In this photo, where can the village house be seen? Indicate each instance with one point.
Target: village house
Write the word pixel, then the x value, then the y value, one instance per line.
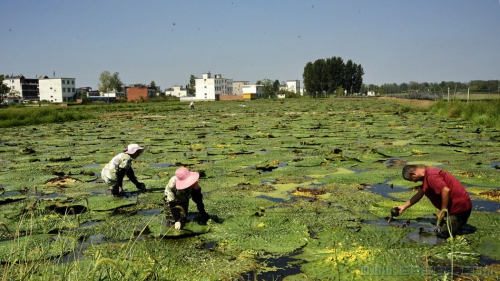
pixel 22 88
pixel 139 92
pixel 176 91
pixel 210 88
pixel 56 89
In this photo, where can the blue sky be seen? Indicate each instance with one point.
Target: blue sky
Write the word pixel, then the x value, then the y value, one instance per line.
pixel 166 41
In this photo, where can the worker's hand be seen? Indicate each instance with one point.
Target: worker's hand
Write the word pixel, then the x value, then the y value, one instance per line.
pixel 177 225
pixel 440 216
pixel 401 209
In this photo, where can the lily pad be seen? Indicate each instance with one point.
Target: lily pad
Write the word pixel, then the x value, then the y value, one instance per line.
pixel 35 247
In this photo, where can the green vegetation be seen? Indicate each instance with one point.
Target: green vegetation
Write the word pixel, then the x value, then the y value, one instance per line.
pixel 302 188
pixel 480 113
pixel 22 116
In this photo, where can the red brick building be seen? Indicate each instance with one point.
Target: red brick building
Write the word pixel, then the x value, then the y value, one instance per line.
pixel 139 92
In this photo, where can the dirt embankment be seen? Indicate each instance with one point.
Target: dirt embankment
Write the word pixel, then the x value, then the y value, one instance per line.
pixel 413 102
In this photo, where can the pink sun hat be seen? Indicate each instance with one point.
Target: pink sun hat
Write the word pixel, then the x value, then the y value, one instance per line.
pixel 185 178
pixel 132 148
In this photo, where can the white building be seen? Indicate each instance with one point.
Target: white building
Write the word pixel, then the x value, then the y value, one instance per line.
pixel 291 86
pixel 22 88
pixel 208 88
pixel 56 89
pixel 238 87
pixel 251 92
pixel 176 91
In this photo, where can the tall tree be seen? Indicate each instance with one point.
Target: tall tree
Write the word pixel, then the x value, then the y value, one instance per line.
pixel 276 85
pixel 192 85
pixel 335 73
pixel 358 79
pixel 308 78
pixel 110 82
pixel 153 85
pixel 320 76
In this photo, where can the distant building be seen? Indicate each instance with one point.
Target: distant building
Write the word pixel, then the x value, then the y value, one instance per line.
pixel 238 87
pixel 176 91
pixel 291 86
pixel 56 89
pixel 87 92
pixel 22 88
pixel 251 92
pixel 208 88
pixel 139 92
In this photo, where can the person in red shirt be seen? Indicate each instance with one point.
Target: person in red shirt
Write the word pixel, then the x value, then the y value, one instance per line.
pixel 444 191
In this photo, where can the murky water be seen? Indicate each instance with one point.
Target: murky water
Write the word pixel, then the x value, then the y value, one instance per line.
pixel 151 212
pixel 161 165
pixel 485 206
pixel 284 266
pixel 385 189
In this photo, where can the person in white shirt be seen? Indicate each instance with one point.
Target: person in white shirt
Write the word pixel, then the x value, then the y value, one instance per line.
pixel 121 166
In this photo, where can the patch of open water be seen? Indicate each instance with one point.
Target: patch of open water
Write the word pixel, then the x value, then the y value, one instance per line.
pixel 77 254
pixel 283 266
pixel 485 206
pixel 91 165
pixel 422 229
pixel 161 165
pixel 384 189
pixel 150 212
pixel 10 193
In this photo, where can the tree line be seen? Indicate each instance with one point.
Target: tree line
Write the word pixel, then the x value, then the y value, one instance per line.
pixel 486 86
pixel 325 77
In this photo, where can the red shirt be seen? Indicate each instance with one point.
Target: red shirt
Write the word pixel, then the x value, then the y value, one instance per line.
pixel 434 182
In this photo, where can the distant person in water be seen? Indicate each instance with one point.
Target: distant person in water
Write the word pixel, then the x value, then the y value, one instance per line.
pixel 445 192
pixel 180 188
pixel 121 166
pixel 191 105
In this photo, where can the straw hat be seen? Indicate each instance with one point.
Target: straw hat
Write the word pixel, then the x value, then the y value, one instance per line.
pixel 132 148
pixel 185 178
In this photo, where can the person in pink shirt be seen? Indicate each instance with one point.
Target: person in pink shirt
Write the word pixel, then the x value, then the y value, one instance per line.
pixel 444 191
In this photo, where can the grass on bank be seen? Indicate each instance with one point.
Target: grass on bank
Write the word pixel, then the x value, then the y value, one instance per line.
pixel 484 113
pixel 25 116
pixel 33 115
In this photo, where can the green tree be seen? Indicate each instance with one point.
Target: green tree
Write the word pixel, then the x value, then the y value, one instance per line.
pixel 325 76
pixel 153 85
pixel 320 76
pixel 339 91
pixel 267 88
pixel 308 79
pixel 4 89
pixel 192 85
pixel 110 82
pixel 358 79
pixel 335 68
pixel 349 76
pixel 276 85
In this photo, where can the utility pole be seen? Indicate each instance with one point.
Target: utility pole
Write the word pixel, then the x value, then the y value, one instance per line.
pixel 448 94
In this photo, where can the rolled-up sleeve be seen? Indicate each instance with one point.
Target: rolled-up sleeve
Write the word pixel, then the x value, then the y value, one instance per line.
pixel 169 190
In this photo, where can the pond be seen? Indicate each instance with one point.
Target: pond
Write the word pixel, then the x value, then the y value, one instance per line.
pixel 298 189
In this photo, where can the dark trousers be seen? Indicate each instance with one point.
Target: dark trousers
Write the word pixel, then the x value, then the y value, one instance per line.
pixel 455 222
pixel 176 211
